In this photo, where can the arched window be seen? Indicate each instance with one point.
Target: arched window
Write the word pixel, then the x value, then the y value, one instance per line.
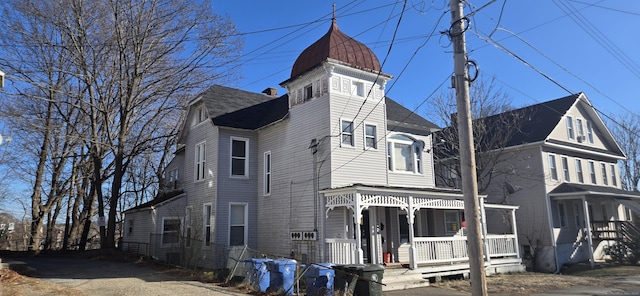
pixel 404 154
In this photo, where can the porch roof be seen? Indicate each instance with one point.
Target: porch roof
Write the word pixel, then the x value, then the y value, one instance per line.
pixel 566 189
pixel 417 191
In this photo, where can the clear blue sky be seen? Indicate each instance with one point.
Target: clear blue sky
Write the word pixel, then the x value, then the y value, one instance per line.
pixel 596 41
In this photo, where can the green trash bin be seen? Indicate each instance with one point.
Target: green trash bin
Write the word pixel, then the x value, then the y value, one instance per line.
pixel 369 278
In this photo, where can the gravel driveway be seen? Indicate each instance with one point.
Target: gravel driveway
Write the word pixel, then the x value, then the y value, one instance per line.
pixel 101 277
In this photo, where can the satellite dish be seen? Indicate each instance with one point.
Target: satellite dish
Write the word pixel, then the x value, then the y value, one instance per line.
pixel 511 189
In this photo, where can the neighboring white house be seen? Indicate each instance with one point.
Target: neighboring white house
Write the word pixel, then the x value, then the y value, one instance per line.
pixel 560 166
pixel 332 171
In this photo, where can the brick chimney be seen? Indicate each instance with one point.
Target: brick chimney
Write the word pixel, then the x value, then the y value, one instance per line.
pixel 270 91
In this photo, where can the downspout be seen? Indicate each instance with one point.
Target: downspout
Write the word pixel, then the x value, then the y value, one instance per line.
pixel 587 225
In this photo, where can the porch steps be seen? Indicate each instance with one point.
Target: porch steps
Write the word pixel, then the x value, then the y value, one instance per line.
pixel 399 278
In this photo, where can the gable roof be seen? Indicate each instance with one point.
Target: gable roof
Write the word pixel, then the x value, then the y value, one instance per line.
pixel 162 197
pixel 535 123
pixel 230 107
pixel 401 119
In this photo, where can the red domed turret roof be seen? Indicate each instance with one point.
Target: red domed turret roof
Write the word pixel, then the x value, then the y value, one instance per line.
pixel 338 46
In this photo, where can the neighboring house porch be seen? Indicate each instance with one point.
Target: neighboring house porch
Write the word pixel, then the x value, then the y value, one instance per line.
pixel 587 219
pixel 422 229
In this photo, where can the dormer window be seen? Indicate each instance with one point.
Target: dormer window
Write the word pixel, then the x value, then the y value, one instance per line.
pixel 404 154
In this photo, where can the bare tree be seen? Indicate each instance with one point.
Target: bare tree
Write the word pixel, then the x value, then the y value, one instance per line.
pixel 493 129
pixel 129 66
pixel 626 130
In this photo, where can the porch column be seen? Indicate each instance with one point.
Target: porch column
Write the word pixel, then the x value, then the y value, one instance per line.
pixel 412 245
pixel 357 216
pixel 485 242
pixel 514 229
pixel 587 224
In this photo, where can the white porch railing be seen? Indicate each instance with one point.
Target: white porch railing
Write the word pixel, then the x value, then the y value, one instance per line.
pixel 341 251
pixel 501 245
pixel 441 249
pixel 430 249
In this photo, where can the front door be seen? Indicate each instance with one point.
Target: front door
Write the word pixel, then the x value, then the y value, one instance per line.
pixel 365 235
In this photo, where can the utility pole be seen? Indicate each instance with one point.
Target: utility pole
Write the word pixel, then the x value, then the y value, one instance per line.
pixel 467 154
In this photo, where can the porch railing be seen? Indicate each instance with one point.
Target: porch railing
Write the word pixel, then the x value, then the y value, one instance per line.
pixel 501 245
pixel 441 249
pixel 341 251
pixel 430 250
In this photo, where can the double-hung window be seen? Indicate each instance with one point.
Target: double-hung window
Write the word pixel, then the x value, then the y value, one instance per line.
pixel 565 169
pixel 170 230
pixel 207 219
pixel 579 171
pixel 603 168
pixel 346 135
pixel 267 173
pixel 200 161
pixel 239 157
pixel 552 167
pixel 404 154
pixel 589 132
pixel 579 129
pixel 592 172
pixel 237 224
pixel 370 136
pixel 614 180
pixel 570 133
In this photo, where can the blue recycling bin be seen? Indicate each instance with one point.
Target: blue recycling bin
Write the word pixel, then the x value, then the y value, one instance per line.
pixel 259 275
pixel 283 274
pixel 320 278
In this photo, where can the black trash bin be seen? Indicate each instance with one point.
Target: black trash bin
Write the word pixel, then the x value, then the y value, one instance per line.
pixel 368 282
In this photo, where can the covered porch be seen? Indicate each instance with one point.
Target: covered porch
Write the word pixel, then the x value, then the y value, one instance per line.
pixel 415 228
pixel 586 219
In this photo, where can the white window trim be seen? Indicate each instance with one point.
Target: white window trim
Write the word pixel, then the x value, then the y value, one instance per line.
pixel 418 159
pixel 605 178
pixel 589 132
pixel 357 88
pixel 365 137
pixel 204 226
pixel 614 179
pixel 246 222
pixel 267 178
pixel 566 176
pixel 200 163
pixel 570 129
pixel 246 157
pixel 353 132
pixel 579 171
pixel 579 127
pixel 162 231
pixel 592 172
pixel 553 167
